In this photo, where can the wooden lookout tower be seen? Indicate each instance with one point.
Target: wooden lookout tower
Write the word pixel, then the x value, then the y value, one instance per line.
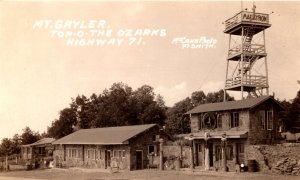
pixel 247 69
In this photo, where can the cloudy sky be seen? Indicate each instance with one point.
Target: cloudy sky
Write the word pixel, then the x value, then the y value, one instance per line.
pixel 39 74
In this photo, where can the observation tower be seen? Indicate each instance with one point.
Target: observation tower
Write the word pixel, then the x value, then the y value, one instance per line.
pixel 247 69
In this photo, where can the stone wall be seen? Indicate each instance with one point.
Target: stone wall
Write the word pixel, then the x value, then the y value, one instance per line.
pixel 280 158
pixel 175 152
pixel 58 155
pixel 81 159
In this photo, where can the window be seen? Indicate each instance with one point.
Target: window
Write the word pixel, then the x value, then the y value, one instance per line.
pixel 270 120
pixel 101 155
pixel 120 154
pixel 91 153
pixel 98 154
pixel 72 153
pixel 219 121
pixel 108 155
pixel 115 153
pixel 262 119
pixel 153 138
pixel 123 153
pixel 234 119
pixel 151 149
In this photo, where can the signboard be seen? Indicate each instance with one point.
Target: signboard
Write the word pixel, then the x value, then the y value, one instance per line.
pixel 255 17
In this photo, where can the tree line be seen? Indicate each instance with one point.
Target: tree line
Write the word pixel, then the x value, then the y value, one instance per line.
pixel 117 106
pixel 121 105
pixel 12 145
pixel 291 116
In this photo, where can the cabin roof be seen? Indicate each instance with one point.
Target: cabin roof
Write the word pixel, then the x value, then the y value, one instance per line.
pixel 43 141
pixel 232 105
pixel 104 136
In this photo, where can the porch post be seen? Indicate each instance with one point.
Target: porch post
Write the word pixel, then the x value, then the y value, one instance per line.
pixel 223 145
pixel 206 162
pixel 235 158
pixel 192 165
pixel 206 152
pixel 195 153
pixel 161 164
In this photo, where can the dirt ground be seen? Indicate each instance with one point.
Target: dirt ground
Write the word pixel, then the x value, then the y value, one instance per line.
pixel 87 174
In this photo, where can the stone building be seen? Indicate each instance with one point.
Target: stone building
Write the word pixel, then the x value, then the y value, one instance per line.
pixel 37 150
pixel 124 147
pixel 229 128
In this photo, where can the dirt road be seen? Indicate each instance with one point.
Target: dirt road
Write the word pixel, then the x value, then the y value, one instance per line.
pixel 87 174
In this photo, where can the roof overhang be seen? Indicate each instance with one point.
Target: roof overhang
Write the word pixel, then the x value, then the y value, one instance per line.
pixel 90 143
pixel 218 135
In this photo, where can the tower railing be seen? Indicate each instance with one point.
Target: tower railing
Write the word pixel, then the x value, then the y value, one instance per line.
pixel 251 48
pixel 245 16
pixel 250 80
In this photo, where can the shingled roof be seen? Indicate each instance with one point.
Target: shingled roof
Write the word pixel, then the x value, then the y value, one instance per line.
pixel 43 141
pixel 231 105
pixel 104 136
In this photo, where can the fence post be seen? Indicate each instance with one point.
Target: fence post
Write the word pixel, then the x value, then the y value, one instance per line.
pixel 6 163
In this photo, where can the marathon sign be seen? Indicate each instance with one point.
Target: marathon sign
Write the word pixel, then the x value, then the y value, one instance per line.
pixel 255 17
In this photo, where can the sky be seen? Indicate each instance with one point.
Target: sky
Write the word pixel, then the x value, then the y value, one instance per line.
pixel 39 74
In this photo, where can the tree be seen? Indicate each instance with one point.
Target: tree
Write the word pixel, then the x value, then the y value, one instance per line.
pixel 198 97
pixel 147 109
pixel 218 97
pixel 16 142
pixel 294 112
pixel 28 136
pixel 81 106
pixel 284 115
pixel 6 147
pixel 64 125
pixel 160 101
pixel 177 122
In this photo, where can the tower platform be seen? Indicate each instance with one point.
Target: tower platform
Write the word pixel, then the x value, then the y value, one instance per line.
pixel 256 21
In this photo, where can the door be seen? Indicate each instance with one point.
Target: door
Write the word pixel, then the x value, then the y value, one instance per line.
pixel 200 154
pixel 240 153
pixel 211 154
pixel 139 159
pixel 107 158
